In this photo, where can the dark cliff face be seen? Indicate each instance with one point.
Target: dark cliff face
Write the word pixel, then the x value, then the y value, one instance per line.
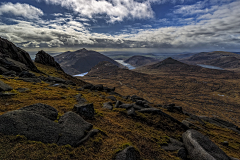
pixel 11 55
pixel 81 61
pixel 44 58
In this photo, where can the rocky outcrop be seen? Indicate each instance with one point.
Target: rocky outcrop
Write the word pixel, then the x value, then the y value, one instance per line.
pixel 201 147
pixel 44 58
pixel 14 58
pixel 129 153
pixel 4 86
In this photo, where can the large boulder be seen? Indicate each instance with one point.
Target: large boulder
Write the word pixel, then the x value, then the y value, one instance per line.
pixel 42 109
pixel 33 126
pixel 4 86
pixel 84 109
pixel 129 153
pixel 44 58
pixel 11 52
pixel 200 147
pixel 73 129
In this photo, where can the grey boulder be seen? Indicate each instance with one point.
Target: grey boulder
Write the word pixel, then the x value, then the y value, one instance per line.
pixel 33 126
pixel 173 145
pixel 201 147
pixel 129 153
pixel 42 109
pixel 84 109
pixel 4 86
pixel 73 129
pixel 108 105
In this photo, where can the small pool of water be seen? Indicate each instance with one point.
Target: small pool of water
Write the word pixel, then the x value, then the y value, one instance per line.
pixel 125 64
pixel 209 66
pixel 80 75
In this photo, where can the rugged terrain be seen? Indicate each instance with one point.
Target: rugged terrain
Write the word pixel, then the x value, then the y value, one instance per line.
pixel 48 114
pixel 81 61
pixel 137 61
pixel 225 60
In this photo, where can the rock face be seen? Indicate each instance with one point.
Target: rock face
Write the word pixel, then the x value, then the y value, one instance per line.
pixel 201 147
pixel 33 126
pixel 14 58
pixel 42 109
pixel 44 58
pixel 73 128
pixel 4 86
pixel 129 153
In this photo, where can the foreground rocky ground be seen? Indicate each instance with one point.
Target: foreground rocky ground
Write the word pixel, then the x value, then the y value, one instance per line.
pixel 47 114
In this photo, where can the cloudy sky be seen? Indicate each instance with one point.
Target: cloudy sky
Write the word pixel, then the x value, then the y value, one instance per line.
pixel 164 25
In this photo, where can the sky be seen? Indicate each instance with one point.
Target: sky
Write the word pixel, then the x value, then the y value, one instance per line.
pixel 169 26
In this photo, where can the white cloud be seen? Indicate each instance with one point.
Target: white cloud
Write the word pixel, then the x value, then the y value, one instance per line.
pixel 18 9
pixel 116 10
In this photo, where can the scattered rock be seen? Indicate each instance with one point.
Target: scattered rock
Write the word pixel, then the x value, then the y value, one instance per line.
pixel 84 109
pixel 5 87
pixel 201 147
pixel 87 86
pixel 108 105
pixel 80 99
pixel 188 123
pixel 33 80
pixel 137 107
pixel 151 110
pixel 26 74
pixel 44 58
pixel 131 112
pixel 134 98
pixel 73 129
pixel 10 74
pixel 89 135
pixel 7 94
pixel 129 153
pixel 118 103
pixel 126 106
pixel 53 79
pixel 33 126
pixel 173 145
pixel 99 87
pixel 42 109
pixel 112 98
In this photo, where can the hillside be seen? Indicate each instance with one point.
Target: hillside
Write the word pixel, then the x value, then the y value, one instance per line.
pixel 81 61
pixel 137 61
pixel 48 114
pixel 225 60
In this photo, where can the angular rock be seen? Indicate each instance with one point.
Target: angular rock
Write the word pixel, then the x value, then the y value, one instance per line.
pixel 201 147
pixel 42 109
pixel 134 98
pixel 131 112
pixel 111 98
pixel 89 135
pixel 80 99
pixel 99 87
pixel 173 145
pixel 188 123
pixel 126 106
pixel 44 58
pixel 33 126
pixel 5 87
pixel 26 74
pixel 129 153
pixel 118 103
pixel 151 110
pixel 10 73
pixel 108 105
pixel 84 109
pixel 87 86
pixel 137 107
pixel 73 129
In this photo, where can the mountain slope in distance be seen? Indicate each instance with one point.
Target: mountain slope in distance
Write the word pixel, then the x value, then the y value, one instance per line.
pixel 81 61
pixel 225 60
pixel 137 61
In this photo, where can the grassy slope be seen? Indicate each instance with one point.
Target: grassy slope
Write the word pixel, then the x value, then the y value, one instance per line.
pixel 146 132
